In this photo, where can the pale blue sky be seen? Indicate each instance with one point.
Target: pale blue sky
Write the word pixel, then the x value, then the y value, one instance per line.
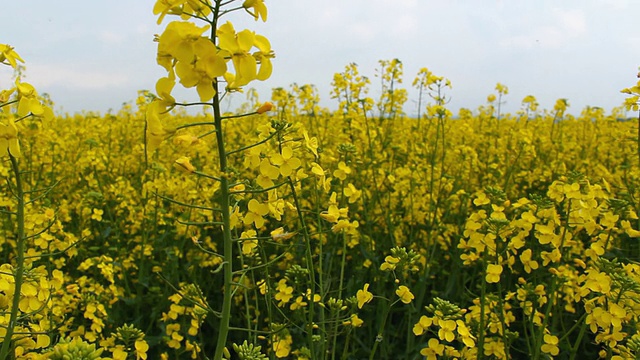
pixel 95 55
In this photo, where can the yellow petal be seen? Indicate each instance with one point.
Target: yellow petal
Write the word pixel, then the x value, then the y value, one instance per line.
pixel 206 91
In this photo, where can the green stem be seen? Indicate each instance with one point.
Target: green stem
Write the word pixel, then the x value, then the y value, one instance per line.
pixel 19 273
pixel 226 231
pixel 334 349
pixel 576 345
pixel 483 291
pixel 223 331
pixel 312 274
pixel 379 337
pixel 638 138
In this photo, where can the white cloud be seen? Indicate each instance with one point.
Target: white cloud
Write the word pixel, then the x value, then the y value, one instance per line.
pixel 362 32
pixel 616 4
pixel 111 38
pixel 406 24
pixel 143 29
pixel 5 77
pixel 566 26
pixel 573 22
pixel 64 76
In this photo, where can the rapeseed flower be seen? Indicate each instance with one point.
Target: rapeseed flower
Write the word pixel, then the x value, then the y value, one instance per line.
pixel 9 56
pixel 342 171
pixel 282 345
pixel 156 132
pixel 352 193
pixel 433 349
pixel 404 294
pixel 465 334
pixel 311 143
pixel 493 273
pixel 354 321
pixel 249 245
pixel 263 57
pixel 259 9
pixel 183 164
pixel 550 345
pixel 255 213
pixel 9 143
pixel 284 292
pixel 390 263
pixel 285 160
pixel 422 325
pixel 528 264
pixel 236 46
pixel 364 296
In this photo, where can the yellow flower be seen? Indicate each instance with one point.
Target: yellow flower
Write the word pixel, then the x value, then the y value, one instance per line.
pixel 186 140
pixel 352 193
pixel 280 235
pixel 286 161
pixel 6 94
pixel 285 292
pixel 531 102
pixel 333 214
pixel 389 263
pixel 196 59
pixel 141 349
pixel 164 7
pixel 550 345
pixel 237 46
pixel 183 164
pixel 354 321
pixel 164 86
pixel 97 214
pixel 298 303
pixel 312 144
pixel 433 350
pixel 626 225
pixel 256 212
pixel 317 170
pixel 156 133
pixel 446 329
pixel 597 281
pixel 202 71
pixel 282 345
pixel 342 171
pixel 422 325
pixel 259 9
pixel 482 199
pixel 263 57
pixel 29 103
pixel 465 334
pixel 9 140
pixel 529 264
pixel 8 55
pixel 502 89
pixel 405 294
pixel 268 173
pixel 364 296
pixel 249 245
pixel 493 273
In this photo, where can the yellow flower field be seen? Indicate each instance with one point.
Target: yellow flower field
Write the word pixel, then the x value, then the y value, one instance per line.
pixel 288 231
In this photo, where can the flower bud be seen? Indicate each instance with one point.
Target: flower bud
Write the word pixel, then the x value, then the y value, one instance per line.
pixel 265 107
pixel 184 164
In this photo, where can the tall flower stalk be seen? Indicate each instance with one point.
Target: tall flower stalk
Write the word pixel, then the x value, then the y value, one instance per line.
pixel 17 104
pixel 204 58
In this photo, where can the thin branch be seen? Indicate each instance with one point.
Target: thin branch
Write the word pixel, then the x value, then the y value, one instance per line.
pixel 253 145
